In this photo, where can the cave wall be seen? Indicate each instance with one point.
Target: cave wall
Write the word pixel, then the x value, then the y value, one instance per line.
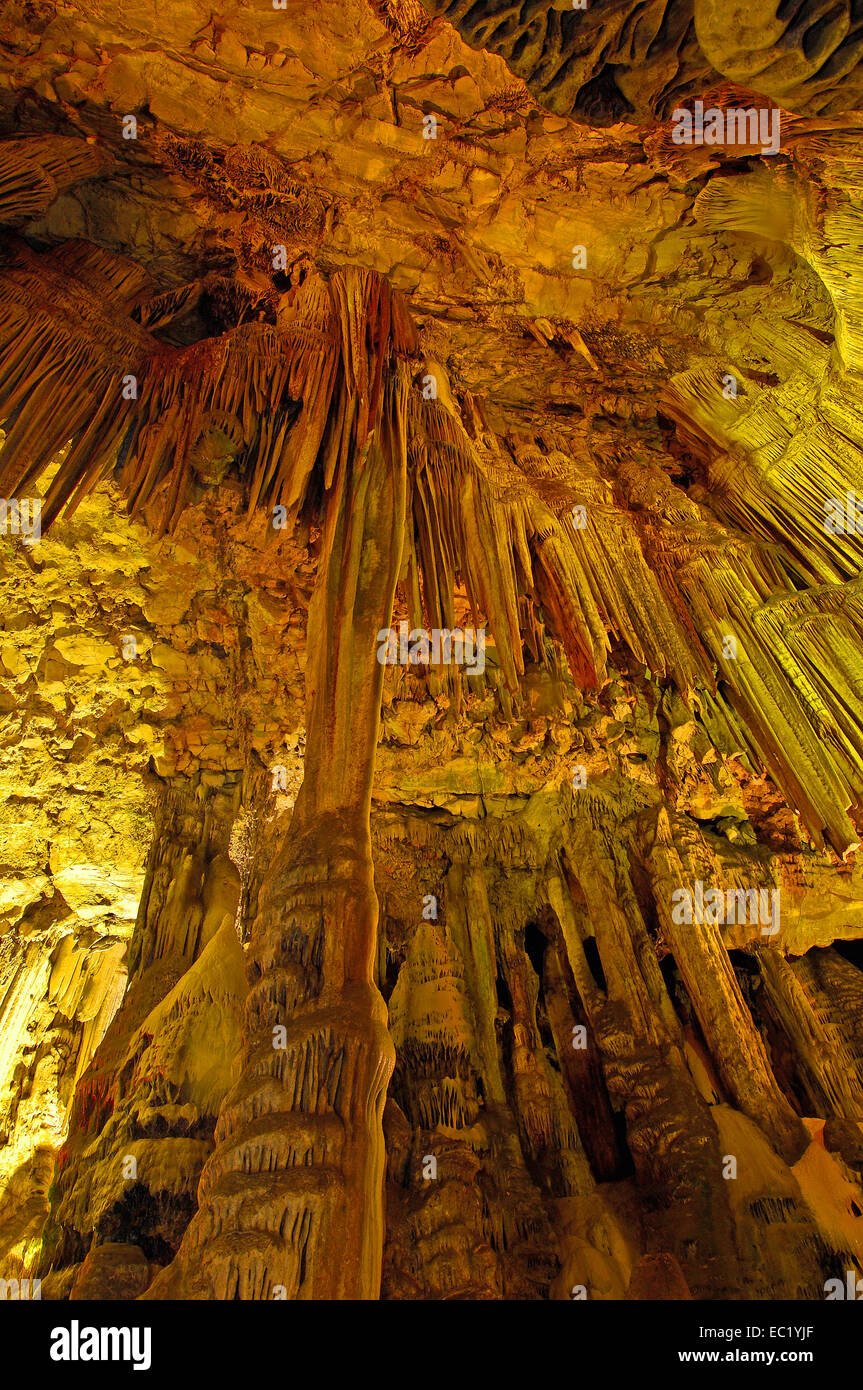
pixel 573 1068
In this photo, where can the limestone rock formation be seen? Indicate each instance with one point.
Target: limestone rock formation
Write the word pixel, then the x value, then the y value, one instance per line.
pixel 607 61
pixel 431 700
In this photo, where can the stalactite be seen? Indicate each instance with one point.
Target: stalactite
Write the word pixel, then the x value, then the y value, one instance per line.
pixel 33 170
pixel 826 233
pixel 821 1050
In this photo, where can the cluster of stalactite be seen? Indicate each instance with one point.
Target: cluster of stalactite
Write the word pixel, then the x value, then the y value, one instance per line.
pixel 96 380
pixel 285 403
pixel 784 483
pixel 36 168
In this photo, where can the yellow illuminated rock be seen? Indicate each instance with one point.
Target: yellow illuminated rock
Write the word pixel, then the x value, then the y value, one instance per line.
pixel 431 606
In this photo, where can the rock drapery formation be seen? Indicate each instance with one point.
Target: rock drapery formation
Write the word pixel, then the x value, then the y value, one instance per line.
pixel 609 61
pixel 430 683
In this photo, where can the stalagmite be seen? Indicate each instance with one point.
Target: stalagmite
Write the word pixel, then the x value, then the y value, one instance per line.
pixel 145 1107
pixel 733 1041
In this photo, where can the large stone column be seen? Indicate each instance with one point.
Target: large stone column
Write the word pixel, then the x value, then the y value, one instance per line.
pixel 291 1202
pixel 734 1042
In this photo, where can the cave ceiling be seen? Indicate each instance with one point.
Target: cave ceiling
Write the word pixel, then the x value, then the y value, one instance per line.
pixel 319 322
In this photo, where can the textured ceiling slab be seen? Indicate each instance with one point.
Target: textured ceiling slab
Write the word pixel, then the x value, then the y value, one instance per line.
pixel 608 60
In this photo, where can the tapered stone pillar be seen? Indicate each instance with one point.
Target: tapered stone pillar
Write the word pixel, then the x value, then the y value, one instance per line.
pixel 291 1202
pixel 735 1043
pixel 825 1057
